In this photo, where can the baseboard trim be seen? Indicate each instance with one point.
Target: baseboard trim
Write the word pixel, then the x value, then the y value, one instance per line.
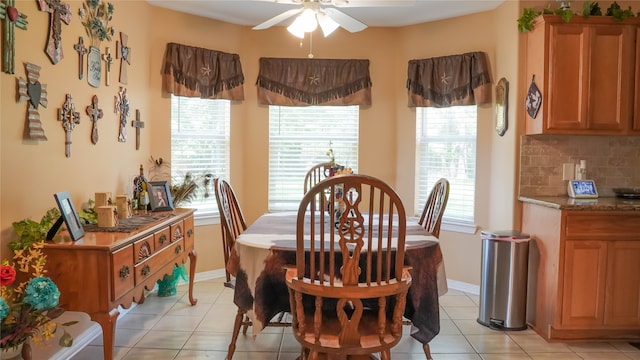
pixel 461 286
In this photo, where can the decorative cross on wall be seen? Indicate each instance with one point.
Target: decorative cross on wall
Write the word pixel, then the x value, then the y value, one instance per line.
pixel 95 114
pixel 36 93
pixel 59 12
pixel 69 117
pixel 123 52
pixel 82 50
pixel 122 107
pixel 138 124
pixel 108 60
pixel 12 19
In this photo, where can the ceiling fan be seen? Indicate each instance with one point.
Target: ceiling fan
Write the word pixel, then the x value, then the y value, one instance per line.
pixel 313 13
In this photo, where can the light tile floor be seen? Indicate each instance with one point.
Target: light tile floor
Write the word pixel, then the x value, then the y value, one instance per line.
pixel 170 328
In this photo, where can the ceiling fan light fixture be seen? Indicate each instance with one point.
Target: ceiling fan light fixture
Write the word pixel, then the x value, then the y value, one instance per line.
pixel 304 23
pixel 327 24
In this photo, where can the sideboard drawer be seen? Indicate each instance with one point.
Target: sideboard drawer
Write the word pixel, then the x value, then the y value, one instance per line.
pixel 177 231
pixel 159 259
pixel 123 279
pixel 142 249
pixel 189 232
pixel 162 238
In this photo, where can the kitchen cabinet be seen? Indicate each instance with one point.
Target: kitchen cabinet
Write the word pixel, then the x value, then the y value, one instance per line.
pixel 584 273
pixel 585 70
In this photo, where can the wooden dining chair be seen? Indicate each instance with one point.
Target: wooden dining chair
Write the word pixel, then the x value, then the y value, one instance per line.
pixel 316 174
pixel 431 217
pixel 349 285
pixel 232 224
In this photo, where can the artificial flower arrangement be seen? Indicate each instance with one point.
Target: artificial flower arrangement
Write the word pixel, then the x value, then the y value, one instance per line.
pixel 29 300
pixel 335 168
pixel 95 17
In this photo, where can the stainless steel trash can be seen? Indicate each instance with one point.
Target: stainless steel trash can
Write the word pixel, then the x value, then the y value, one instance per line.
pixel 503 281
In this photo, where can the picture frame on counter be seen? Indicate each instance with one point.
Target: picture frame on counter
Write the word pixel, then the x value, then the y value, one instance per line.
pixel 160 196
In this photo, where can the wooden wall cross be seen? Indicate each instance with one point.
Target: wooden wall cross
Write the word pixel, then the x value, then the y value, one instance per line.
pixel 123 52
pixel 108 60
pixel 138 124
pixel 95 114
pixel 82 50
pixel 70 118
pixel 12 19
pixel 122 106
pixel 59 13
pixel 36 93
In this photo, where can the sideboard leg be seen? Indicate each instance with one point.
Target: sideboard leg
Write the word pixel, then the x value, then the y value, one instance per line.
pixel 192 273
pixel 108 323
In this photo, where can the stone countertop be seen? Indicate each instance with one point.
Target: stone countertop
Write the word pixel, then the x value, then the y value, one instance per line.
pixel 599 204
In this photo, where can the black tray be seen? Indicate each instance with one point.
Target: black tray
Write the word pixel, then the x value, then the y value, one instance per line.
pixel 627 193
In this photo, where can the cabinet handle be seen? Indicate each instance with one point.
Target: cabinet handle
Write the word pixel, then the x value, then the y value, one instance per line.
pixel 190 232
pixel 178 249
pixel 163 239
pixel 124 272
pixel 145 270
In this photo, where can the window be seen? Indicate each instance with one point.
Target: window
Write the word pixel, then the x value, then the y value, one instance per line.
pixel 299 138
pixel 200 145
pixel 446 148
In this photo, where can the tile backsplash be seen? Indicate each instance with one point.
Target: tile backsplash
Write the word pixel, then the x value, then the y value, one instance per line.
pixel 611 161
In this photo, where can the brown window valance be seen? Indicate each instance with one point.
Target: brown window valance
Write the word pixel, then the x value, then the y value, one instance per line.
pixel 449 80
pixel 297 82
pixel 197 72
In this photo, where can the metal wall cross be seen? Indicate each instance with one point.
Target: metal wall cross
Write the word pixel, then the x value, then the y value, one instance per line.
pixel 95 114
pixel 59 13
pixel 108 60
pixel 123 52
pixel 69 117
pixel 82 50
pixel 138 124
pixel 36 93
pixel 122 106
pixel 12 19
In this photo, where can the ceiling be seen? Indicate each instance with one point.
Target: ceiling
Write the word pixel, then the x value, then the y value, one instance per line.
pixel 254 12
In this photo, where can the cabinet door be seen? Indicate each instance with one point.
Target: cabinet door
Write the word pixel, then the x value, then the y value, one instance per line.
pixel 622 300
pixel 610 88
pixel 584 283
pixel 591 86
pixel 568 50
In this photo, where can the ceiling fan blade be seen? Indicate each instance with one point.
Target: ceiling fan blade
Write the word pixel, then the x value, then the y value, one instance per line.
pixel 277 19
pixel 368 3
pixel 350 24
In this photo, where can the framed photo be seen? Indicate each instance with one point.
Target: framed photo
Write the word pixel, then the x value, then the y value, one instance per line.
pixel 160 196
pixel 69 215
pixel 502 106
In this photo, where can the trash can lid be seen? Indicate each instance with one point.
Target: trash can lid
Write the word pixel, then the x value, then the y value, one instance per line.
pixel 504 235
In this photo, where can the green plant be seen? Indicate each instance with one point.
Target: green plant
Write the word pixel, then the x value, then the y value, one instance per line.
pixel 31 232
pixel 589 8
pixel 525 22
pixel 617 13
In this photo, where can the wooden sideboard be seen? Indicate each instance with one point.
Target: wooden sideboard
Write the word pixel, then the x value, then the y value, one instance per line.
pixel 103 270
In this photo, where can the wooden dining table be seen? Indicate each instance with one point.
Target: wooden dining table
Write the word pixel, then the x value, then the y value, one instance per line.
pixel 269 243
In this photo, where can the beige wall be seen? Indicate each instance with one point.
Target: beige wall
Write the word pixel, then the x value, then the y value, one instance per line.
pixel 32 172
